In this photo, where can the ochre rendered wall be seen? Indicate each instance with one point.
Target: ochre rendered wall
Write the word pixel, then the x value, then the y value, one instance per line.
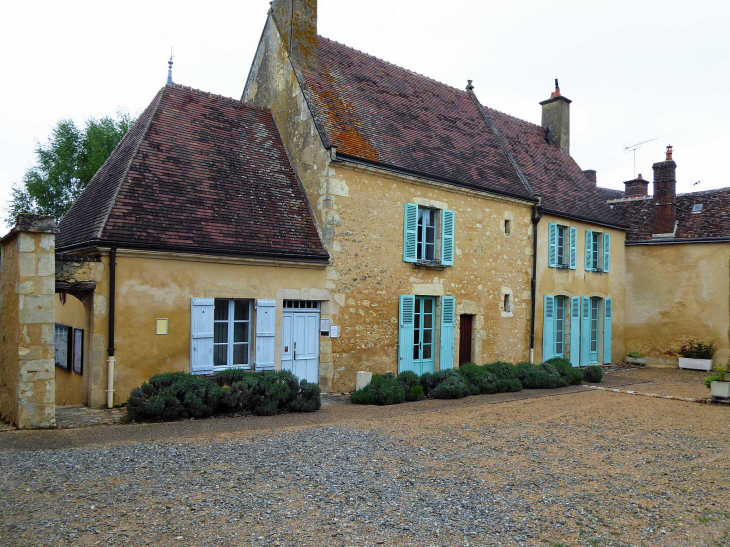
pixel 69 385
pixel 359 214
pixel 578 282
pixel 149 288
pixel 676 293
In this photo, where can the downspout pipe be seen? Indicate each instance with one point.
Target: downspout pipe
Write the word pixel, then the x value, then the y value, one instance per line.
pixel 110 359
pixel 536 216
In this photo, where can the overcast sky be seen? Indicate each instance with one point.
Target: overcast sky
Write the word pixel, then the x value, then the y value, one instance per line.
pixel 635 69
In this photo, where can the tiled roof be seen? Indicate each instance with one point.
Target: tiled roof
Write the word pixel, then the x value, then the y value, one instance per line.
pixel 197 173
pixel 381 113
pixel 712 222
pixel 553 175
pixel 610 193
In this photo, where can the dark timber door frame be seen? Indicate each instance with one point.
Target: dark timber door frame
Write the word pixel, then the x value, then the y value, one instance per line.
pixel 465 330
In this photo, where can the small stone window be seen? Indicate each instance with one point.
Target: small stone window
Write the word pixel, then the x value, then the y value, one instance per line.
pixel 507 303
pixel 507 227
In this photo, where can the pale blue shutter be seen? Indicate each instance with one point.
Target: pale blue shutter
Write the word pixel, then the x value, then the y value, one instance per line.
pixel 201 335
pixel 575 331
pixel 410 232
pixel 448 312
pixel 585 332
pixel 607 339
pixel 606 251
pixel 552 245
pixel 548 328
pixel 265 334
pixel 589 251
pixel 573 247
pixel 405 332
pixel 447 238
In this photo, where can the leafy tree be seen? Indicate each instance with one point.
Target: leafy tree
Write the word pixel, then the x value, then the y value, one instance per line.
pixel 65 165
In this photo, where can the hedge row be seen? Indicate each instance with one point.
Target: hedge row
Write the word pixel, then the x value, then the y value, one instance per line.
pixel 472 379
pixel 179 395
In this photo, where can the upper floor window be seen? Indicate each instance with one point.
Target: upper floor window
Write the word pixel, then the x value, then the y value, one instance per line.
pixel 428 235
pixel 562 246
pixel 598 251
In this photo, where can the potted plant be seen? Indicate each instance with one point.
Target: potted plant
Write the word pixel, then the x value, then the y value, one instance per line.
pixel 696 355
pixel 719 388
pixel 634 357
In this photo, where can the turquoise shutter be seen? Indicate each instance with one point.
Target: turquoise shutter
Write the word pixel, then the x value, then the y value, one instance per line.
pixel 548 328
pixel 573 247
pixel 589 250
pixel 585 332
pixel 606 251
pixel 201 335
pixel 447 238
pixel 446 354
pixel 552 245
pixel 405 332
pixel 575 331
pixel 410 232
pixel 607 316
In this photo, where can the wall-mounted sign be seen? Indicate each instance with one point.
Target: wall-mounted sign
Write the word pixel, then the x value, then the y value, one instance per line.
pixel 162 326
pixel 334 331
pixel 324 326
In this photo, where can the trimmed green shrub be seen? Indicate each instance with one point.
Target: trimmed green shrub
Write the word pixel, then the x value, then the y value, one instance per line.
pixel 307 400
pixel 174 396
pixel 502 370
pixel 539 376
pixel 383 389
pixel 416 393
pixel 426 382
pixel 408 380
pixel 452 387
pixel 179 395
pixel 593 374
pixel 572 375
pixel 479 379
pixel 507 385
pixel 430 381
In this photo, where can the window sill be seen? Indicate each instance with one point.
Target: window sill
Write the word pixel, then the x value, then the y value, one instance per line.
pixel 429 265
pixel 561 267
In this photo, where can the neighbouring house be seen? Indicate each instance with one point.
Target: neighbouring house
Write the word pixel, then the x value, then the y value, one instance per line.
pixel 677 265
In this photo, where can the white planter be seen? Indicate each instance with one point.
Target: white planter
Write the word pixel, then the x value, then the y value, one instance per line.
pixel 363 379
pixel 636 360
pixel 720 390
pixel 695 364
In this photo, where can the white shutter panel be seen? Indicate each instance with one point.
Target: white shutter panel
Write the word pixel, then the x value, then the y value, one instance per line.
pixel 410 232
pixel 447 238
pixel 548 328
pixel 552 245
pixel 589 250
pixel 405 332
pixel 201 335
pixel 606 252
pixel 265 334
pixel 575 331
pixel 607 338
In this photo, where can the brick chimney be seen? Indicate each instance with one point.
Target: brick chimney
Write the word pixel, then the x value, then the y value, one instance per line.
pixel 556 119
pixel 297 24
pixel 665 195
pixel 636 188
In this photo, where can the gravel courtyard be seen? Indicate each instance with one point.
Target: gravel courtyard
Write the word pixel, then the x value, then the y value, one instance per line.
pixel 579 468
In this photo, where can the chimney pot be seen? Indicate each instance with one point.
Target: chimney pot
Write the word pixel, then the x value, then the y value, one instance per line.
pixel 636 188
pixel 590 175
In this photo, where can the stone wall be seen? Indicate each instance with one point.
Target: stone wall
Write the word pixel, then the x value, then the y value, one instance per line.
pixel 27 369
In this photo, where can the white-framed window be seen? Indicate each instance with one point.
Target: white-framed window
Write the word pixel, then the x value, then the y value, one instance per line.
pixel 426 237
pixel 232 333
pixel 560 326
pixel 562 247
pixel 598 251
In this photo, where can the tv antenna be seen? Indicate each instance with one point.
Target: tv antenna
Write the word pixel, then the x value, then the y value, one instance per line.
pixel 633 147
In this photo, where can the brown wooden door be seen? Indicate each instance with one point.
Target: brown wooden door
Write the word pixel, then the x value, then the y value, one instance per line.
pixel 465 324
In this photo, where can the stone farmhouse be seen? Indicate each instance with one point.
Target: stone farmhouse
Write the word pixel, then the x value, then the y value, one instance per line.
pixel 345 214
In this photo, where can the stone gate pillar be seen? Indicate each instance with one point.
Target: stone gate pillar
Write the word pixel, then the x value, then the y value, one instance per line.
pixel 27 323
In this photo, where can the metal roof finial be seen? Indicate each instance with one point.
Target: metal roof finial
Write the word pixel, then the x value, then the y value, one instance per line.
pixel 169 69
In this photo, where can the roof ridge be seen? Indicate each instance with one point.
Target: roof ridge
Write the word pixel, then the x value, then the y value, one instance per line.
pixel 132 157
pixel 211 95
pixel 403 69
pixel 723 189
pixel 513 117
